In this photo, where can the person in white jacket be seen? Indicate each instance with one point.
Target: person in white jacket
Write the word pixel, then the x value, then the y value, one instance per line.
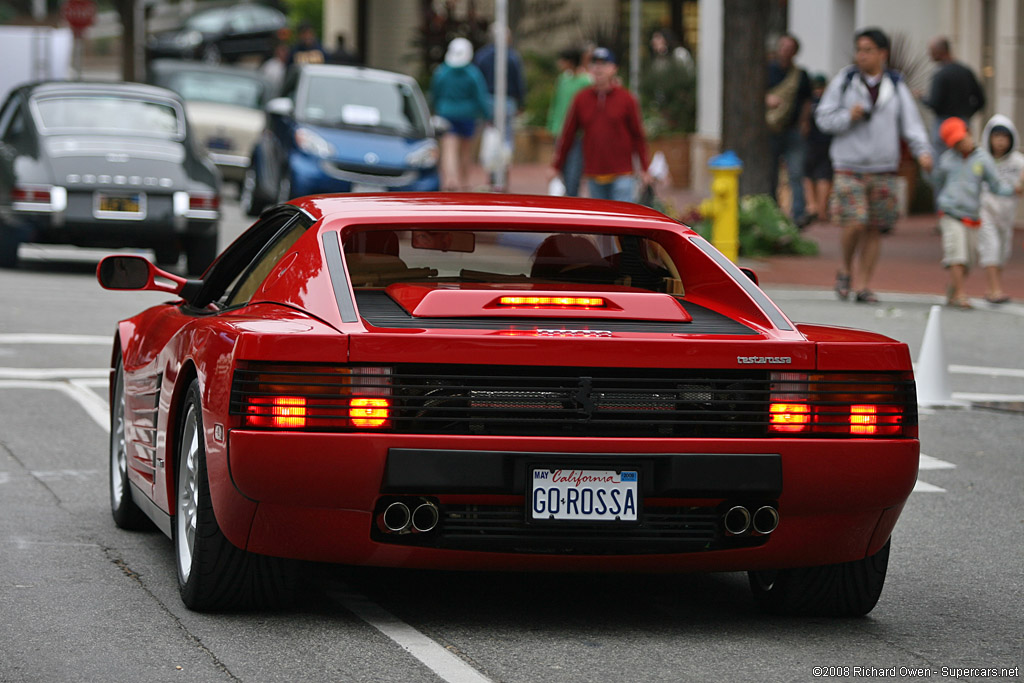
pixel 998 213
pixel 867 109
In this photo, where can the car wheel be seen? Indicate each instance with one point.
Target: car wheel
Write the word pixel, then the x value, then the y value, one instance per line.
pixel 9 244
pixel 848 589
pixel 200 251
pixel 249 196
pixel 127 515
pixel 213 574
pixel 211 54
pixel 167 256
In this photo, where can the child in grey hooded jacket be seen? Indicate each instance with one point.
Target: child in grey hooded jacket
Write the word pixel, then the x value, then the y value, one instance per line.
pixel 960 173
pixel 998 213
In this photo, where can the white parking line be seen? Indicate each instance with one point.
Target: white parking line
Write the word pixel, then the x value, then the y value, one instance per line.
pixel 442 662
pixel 71 339
pixel 94 406
pixel 989 372
pixel 930 463
pixel 924 487
pixel 52 373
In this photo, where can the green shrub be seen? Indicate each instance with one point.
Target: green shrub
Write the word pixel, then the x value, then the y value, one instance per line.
pixel 764 230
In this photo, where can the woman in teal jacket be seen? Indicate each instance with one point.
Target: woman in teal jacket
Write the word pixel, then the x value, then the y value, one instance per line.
pixel 459 95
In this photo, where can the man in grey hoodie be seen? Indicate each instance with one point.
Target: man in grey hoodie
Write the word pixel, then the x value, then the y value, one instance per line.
pixel 867 109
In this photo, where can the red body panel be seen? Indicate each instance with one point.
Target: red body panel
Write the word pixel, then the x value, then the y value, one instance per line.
pixel 312 495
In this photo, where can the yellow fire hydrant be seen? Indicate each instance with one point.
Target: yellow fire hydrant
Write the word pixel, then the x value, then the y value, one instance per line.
pixel 723 208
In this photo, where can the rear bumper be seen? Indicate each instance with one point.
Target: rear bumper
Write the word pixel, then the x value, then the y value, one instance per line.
pixel 319 497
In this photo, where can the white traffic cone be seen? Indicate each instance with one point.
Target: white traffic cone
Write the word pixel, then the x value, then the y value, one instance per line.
pixel 931 370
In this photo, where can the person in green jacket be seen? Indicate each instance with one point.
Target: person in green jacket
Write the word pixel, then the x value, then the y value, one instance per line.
pixel 459 95
pixel 572 77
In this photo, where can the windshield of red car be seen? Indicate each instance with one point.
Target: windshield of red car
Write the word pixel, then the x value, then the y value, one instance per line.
pixel 108 114
pixel 380 258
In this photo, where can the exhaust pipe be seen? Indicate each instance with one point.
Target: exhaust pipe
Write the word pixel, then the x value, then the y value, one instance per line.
pixel 425 517
pixel 396 517
pixel 737 520
pixel 766 519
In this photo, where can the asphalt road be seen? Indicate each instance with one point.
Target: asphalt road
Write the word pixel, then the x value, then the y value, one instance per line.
pixel 81 600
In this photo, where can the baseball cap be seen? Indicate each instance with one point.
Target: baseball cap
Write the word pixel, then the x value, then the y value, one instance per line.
pixel 952 131
pixel 602 54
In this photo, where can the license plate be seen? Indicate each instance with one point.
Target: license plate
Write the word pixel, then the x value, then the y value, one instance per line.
pixel 584 495
pixel 129 205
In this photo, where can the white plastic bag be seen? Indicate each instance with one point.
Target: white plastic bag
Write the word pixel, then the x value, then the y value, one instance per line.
pixel 556 188
pixel 490 148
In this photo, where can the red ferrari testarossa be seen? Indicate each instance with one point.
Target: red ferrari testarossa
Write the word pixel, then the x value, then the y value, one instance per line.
pixel 501 382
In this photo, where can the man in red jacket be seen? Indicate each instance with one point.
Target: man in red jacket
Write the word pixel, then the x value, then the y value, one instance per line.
pixel 609 117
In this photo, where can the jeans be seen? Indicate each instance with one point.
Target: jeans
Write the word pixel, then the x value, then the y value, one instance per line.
pixel 622 189
pixel 572 170
pixel 790 145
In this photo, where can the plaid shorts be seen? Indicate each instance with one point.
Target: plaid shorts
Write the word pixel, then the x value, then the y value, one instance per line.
pixel 866 198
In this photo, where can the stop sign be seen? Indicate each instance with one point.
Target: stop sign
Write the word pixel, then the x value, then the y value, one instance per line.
pixel 79 14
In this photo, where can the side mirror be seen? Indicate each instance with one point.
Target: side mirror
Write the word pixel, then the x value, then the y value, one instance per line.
pixel 751 274
pixel 138 274
pixel 281 106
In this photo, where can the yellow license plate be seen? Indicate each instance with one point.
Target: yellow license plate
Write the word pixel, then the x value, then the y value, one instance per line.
pixel 119 203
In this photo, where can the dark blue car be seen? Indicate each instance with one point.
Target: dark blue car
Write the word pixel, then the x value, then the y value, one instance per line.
pixel 342 129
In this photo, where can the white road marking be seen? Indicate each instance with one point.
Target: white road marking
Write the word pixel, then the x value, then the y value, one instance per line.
pixel 923 487
pixel 984 398
pixel 94 406
pixel 73 339
pixel 990 372
pixel 436 658
pixel 50 475
pixel 930 463
pixel 52 373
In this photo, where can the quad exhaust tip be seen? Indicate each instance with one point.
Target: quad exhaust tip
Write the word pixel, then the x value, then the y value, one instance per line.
pixel 425 517
pixel 397 517
pixel 737 520
pixel 765 520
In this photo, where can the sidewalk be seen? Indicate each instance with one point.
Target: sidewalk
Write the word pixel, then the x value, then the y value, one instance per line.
pixel 910 260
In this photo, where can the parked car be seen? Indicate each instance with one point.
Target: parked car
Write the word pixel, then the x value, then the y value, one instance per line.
pixel 224 106
pixel 221 34
pixel 342 129
pixel 482 382
pixel 104 165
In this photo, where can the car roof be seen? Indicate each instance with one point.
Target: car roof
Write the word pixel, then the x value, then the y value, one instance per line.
pixel 99 87
pixel 166 66
pixel 542 212
pixel 356 72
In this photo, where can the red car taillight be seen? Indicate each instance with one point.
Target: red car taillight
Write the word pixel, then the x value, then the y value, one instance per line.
pixel 202 201
pixel 31 194
pixel 851 404
pixel 312 397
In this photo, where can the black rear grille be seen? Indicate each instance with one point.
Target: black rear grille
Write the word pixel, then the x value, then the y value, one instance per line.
pixel 504 529
pixel 542 401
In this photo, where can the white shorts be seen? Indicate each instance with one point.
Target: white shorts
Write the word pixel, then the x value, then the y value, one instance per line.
pixel 995 238
pixel 959 242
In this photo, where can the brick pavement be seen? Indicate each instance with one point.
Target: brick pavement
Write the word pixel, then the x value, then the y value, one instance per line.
pixel 910 260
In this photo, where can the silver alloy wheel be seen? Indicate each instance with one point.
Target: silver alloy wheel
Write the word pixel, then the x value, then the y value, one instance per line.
pixel 118 449
pixel 188 493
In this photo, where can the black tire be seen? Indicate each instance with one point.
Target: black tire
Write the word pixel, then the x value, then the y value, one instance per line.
pixel 849 589
pixel 167 256
pixel 200 251
pixel 9 244
pixel 127 515
pixel 213 574
pixel 249 196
